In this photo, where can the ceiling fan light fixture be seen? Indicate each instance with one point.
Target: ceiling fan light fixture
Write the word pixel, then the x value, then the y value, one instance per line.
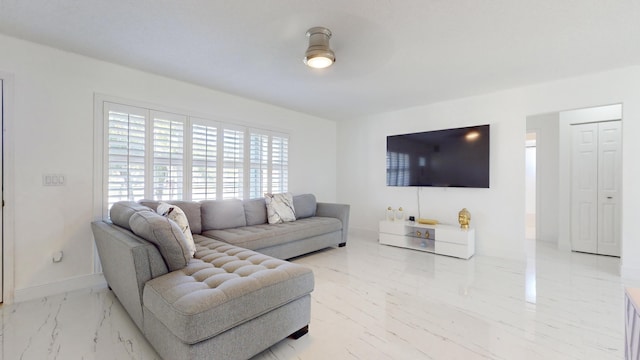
pixel 319 55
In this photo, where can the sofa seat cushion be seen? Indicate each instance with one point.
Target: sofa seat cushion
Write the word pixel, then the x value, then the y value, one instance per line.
pixel 262 236
pixel 222 287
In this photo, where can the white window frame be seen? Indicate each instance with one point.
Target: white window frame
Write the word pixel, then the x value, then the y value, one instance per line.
pixel 101 156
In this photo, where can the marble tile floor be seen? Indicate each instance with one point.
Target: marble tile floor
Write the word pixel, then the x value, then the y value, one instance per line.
pixel 378 302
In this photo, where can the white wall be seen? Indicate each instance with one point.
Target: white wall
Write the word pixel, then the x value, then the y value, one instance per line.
pixel 547 192
pixel 498 212
pixel 52 132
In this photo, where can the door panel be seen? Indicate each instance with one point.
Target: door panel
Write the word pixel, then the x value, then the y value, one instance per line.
pixel 609 183
pixel 584 194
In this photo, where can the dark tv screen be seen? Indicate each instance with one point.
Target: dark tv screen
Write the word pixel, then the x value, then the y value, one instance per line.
pixel 444 158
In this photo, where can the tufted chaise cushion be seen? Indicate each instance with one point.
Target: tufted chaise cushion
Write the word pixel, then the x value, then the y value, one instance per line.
pixel 222 287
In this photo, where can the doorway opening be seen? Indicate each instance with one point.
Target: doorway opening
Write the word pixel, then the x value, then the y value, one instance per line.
pixel 557 183
pixel 530 185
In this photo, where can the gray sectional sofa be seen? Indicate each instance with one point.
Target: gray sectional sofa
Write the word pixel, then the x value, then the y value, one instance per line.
pixel 237 295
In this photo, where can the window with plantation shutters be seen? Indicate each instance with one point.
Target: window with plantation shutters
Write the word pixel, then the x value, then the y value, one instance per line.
pixel 204 163
pixel 232 163
pixel 168 156
pixel 125 153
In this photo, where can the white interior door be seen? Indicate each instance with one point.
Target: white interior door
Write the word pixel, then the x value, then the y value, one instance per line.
pixel 584 188
pixel 595 191
pixel 609 183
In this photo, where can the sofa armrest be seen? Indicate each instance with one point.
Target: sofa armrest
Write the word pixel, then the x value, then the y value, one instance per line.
pixel 338 211
pixel 128 262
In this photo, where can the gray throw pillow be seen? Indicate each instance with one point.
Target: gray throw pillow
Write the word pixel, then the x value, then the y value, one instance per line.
pixel 165 235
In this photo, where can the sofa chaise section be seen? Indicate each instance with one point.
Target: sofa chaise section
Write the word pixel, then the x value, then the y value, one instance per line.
pixel 223 288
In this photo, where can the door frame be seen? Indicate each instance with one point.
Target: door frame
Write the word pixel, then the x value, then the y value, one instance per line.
pixel 8 193
pixel 566 118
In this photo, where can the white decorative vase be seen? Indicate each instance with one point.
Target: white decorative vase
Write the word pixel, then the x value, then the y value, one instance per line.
pixel 390 214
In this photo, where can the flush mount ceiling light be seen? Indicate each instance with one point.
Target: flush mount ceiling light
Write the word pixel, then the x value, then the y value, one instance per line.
pixel 319 55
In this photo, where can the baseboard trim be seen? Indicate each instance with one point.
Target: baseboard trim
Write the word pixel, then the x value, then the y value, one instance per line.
pixel 59 287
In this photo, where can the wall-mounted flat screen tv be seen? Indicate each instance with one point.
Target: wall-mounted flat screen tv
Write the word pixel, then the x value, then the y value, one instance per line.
pixel 444 158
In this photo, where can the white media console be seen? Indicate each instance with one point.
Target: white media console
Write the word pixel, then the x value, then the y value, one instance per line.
pixel 439 239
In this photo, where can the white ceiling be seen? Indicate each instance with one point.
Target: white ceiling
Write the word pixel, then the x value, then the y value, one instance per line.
pixel 390 54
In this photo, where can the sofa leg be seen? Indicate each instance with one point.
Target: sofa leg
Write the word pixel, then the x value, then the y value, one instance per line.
pixel 342 244
pixel 300 333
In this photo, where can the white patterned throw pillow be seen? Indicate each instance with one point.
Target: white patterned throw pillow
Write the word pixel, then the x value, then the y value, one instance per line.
pixel 176 214
pixel 280 208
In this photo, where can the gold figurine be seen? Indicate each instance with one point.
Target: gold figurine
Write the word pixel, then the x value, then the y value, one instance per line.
pixel 464 217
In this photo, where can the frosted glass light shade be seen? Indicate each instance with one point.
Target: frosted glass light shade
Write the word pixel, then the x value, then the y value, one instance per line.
pixel 318 62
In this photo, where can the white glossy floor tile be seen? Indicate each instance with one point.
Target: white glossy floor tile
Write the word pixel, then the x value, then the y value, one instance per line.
pixel 378 302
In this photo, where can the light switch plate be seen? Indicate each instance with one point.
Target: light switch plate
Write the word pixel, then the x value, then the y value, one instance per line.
pixel 54 180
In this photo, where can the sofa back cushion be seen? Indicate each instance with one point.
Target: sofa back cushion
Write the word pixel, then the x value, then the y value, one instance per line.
pixel 165 235
pixel 222 214
pixel 122 211
pixel 255 211
pixel 191 210
pixel 304 205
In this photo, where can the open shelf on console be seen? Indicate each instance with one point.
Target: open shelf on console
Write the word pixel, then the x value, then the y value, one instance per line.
pixel 439 239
